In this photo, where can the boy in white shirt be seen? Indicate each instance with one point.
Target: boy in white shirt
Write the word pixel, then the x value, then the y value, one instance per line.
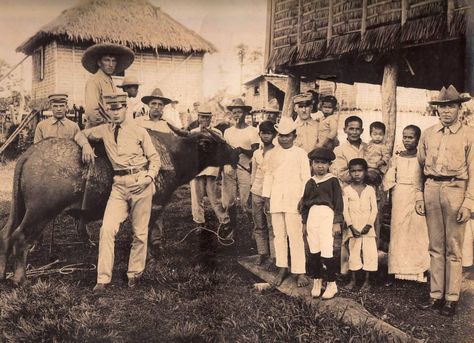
pixel 360 211
pixel 286 173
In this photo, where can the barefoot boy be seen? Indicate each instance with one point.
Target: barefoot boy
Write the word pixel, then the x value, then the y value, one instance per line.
pixel 285 177
pixel 360 211
pixel 263 231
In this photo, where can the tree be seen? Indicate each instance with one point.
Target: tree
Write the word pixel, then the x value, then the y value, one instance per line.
pixel 247 56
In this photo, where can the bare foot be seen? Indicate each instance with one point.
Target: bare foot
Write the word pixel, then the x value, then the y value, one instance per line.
pixel 351 285
pixel 282 274
pixel 365 286
pixel 302 280
pixel 270 265
pixel 261 259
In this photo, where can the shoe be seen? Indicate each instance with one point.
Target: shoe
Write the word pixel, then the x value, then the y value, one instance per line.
pixel 99 288
pixel 435 304
pixel 316 291
pixel 449 308
pixel 331 290
pixel 132 282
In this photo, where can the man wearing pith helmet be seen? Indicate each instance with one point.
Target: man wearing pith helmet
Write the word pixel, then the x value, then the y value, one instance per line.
pixel 58 125
pixel 130 85
pixel 136 164
pixel 102 60
pixel 446 198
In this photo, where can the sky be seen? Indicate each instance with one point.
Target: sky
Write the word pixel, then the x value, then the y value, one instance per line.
pixel 225 23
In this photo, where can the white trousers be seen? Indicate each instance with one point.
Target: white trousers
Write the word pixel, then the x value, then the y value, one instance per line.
pixel 319 230
pixel 367 247
pixel 120 200
pixel 288 226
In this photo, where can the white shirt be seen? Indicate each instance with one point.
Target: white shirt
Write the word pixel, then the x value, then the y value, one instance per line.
pixel 171 115
pixel 286 174
pixel 242 138
pixel 360 211
pixel 133 105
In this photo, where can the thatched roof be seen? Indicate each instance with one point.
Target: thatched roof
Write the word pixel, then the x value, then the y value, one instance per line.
pixel 324 33
pixel 134 23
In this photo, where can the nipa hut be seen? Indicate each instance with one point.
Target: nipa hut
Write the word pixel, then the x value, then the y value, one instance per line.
pixel 409 43
pixel 167 54
pixel 263 88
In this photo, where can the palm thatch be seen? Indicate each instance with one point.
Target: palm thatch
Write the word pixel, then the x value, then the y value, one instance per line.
pixel 134 23
pixel 426 22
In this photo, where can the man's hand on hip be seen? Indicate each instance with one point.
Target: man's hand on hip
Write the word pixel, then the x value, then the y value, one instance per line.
pixel 420 207
pixel 464 214
pixel 141 185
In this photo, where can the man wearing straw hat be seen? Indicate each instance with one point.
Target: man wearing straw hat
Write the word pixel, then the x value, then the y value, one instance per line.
pixel 154 120
pixel 136 164
pixel 446 156
pixel 130 86
pixel 58 125
pixel 246 139
pixel 102 60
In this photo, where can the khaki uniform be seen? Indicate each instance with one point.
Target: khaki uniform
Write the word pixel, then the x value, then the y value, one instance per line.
pixel 134 150
pixel 52 127
pixel 446 156
pixel 98 84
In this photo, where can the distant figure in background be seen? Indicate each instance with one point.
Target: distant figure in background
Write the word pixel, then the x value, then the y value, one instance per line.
pixel 58 125
pixel 205 182
pixel 154 120
pixel 171 115
pixel 130 86
pixel 102 60
pixel 408 256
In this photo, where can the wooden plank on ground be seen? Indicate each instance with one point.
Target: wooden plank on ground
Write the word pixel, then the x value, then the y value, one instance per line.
pixel 346 310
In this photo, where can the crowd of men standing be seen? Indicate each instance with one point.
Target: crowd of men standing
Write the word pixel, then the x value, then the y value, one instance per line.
pixel 296 179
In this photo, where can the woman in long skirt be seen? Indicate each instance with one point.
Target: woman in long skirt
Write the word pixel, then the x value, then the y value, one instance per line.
pixel 408 256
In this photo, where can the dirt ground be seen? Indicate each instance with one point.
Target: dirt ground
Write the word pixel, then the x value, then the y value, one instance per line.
pixel 196 292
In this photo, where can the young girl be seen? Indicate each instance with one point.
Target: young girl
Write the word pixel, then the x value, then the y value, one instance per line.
pixel 360 211
pixel 321 211
pixel 286 173
pixel 408 256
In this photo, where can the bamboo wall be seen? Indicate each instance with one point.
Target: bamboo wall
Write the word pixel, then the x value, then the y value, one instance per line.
pixel 312 30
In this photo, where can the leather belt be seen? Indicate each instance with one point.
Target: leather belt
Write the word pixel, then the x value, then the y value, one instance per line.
pixel 132 171
pixel 443 178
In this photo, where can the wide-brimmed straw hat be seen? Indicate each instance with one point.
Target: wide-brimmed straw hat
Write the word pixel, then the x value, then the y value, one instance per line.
pixel 124 55
pixel 156 94
pixel 129 81
pixel 450 96
pixel 285 126
pixel 239 103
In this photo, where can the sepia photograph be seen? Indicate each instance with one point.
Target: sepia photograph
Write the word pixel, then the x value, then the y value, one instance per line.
pixel 237 171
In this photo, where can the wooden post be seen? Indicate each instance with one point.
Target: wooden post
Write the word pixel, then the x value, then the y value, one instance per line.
pixel 469 81
pixel 293 88
pixel 450 11
pixel 404 11
pixel 330 20
pixel 389 100
pixel 269 33
pixel 363 23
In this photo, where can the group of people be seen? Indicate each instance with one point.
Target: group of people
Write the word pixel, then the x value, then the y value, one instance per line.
pixel 296 180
